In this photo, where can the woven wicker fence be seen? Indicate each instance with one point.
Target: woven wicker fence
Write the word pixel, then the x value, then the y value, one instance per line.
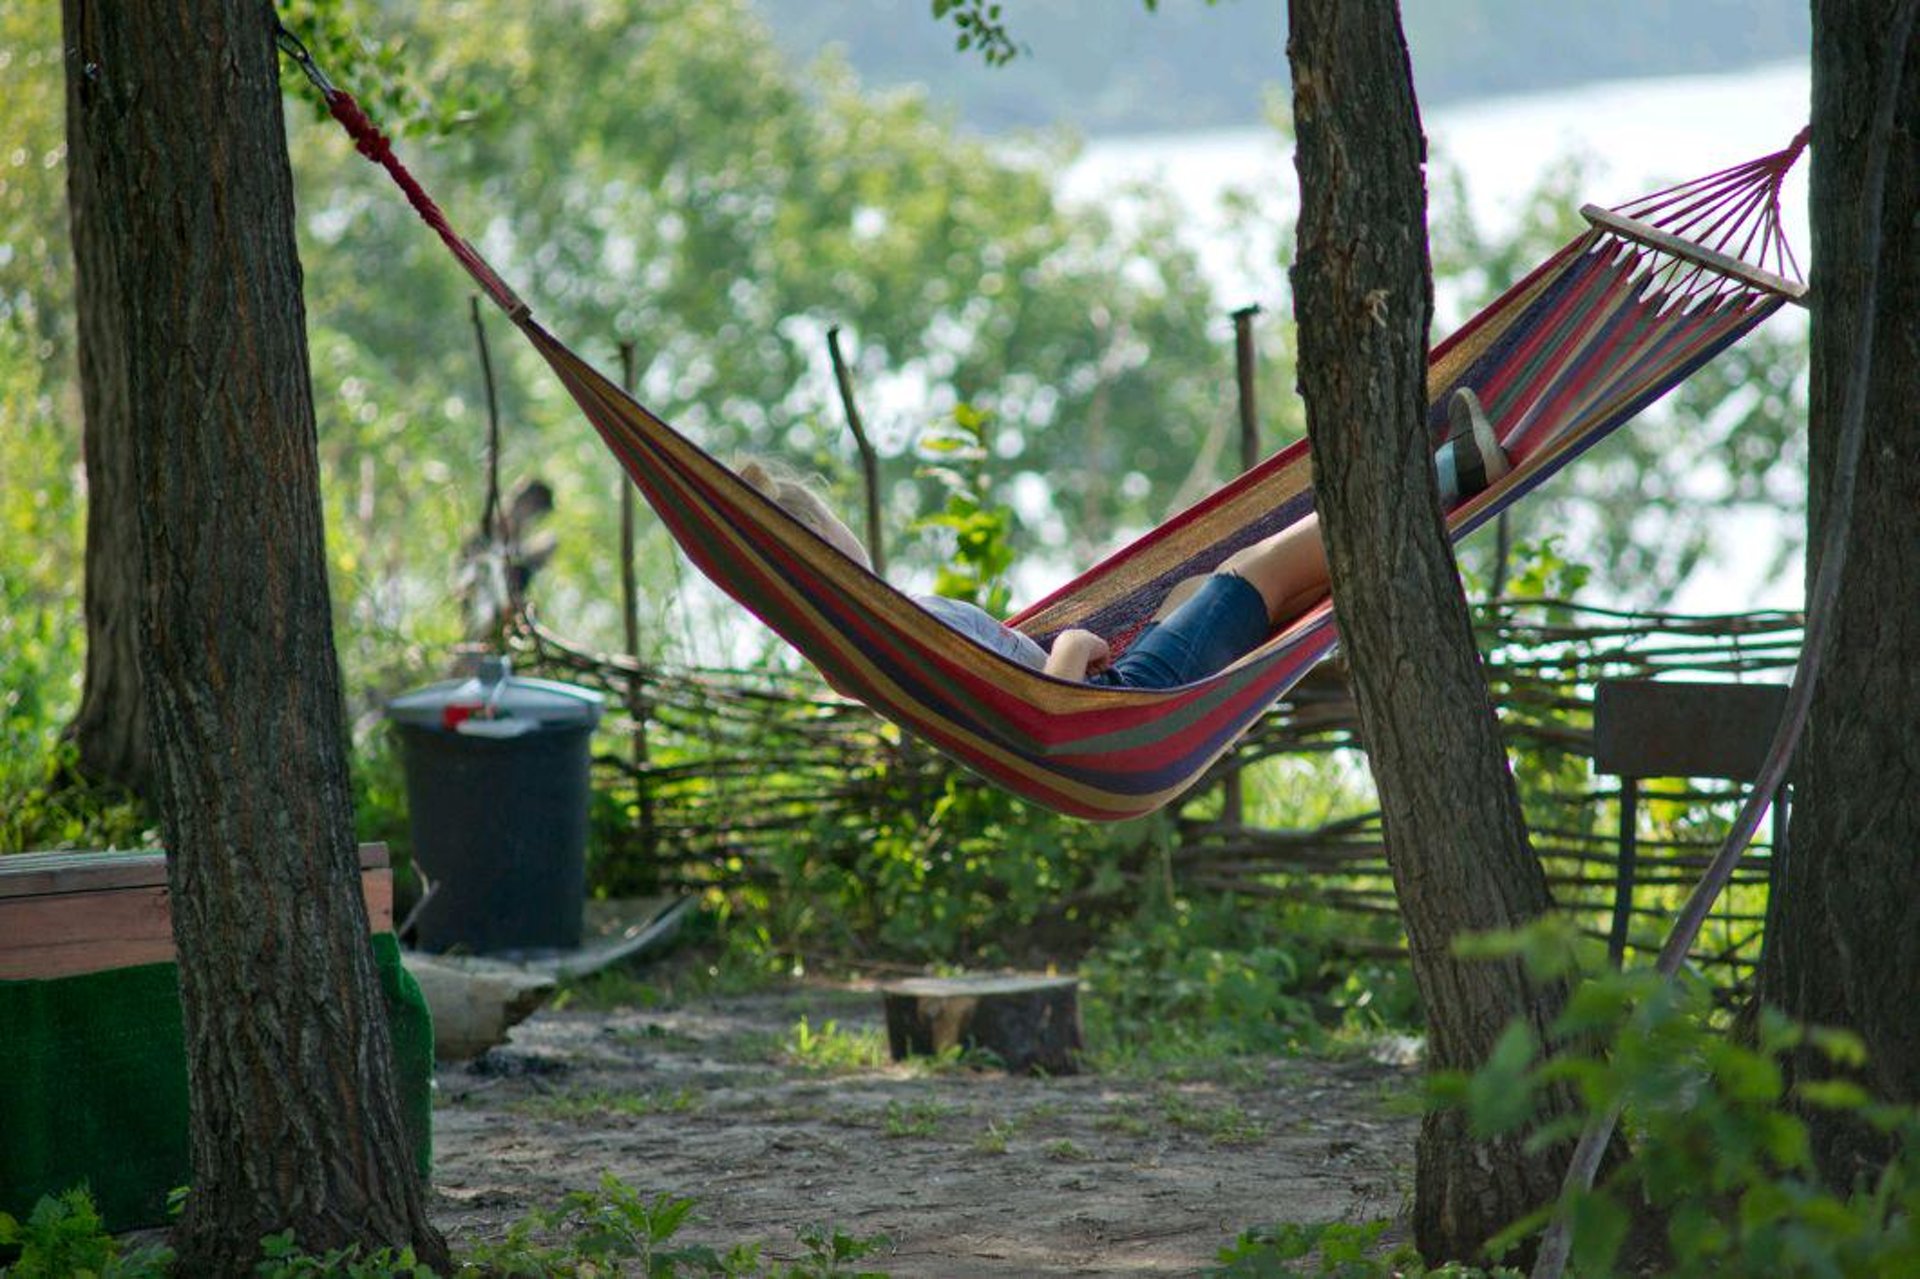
pixel 720 773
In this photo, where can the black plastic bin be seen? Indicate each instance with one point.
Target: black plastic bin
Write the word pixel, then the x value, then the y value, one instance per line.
pixel 497 791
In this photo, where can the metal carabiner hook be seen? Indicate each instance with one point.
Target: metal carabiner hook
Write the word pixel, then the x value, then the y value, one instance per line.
pixel 290 45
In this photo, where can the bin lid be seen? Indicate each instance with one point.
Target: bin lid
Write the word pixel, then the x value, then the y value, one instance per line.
pixel 496 703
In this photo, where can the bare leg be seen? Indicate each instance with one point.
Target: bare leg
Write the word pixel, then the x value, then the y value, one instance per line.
pixel 1289 569
pixel 1182 592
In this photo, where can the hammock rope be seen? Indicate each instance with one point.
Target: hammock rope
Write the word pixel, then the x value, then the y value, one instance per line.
pixel 1582 344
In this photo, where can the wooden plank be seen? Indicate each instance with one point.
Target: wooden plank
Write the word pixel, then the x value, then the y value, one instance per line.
pixel 1699 254
pixel 90 929
pixel 33 874
pixel 1672 728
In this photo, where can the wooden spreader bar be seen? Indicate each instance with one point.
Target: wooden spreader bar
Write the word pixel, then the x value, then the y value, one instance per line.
pixel 1687 251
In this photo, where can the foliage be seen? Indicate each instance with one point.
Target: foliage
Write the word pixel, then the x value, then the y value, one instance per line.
pixel 36 288
pixel 617 1230
pixel 1334 1250
pixel 665 179
pixel 1717 1125
pixel 282 1257
pixel 384 76
pixel 961 876
pixel 981 529
pixel 1719 1152
pixel 1205 977
pixel 833 1050
pixel 43 804
pixel 64 1237
pixel 604 1229
pixel 979 25
pixel 611 1230
pixel 1190 972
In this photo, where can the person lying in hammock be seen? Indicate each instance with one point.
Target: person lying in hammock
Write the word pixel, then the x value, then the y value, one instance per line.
pixel 1207 622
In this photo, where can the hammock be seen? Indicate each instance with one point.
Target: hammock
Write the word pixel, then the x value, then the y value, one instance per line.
pixel 1611 322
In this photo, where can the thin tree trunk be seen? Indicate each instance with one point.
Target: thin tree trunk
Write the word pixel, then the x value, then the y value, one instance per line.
pixel 1843 946
pixel 183 191
pixel 1455 836
pixel 110 730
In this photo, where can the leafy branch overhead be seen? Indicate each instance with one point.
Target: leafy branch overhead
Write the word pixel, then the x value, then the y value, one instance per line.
pixel 979 24
pixel 981 27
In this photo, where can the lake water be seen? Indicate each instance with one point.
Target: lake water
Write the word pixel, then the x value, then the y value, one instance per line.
pixel 1634 137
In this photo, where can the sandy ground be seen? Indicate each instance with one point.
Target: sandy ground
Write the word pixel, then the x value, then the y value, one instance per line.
pixel 967 1172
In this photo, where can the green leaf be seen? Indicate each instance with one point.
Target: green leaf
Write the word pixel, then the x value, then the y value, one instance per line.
pixel 1833 1094
pixel 1599 1229
pixel 1500 1095
pixel 1842 1047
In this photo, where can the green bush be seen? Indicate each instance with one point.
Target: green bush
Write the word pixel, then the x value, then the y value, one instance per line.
pixel 63 1237
pixel 1717 1134
pixel 1199 976
pixel 611 1230
pixel 1717 1140
pixel 1334 1250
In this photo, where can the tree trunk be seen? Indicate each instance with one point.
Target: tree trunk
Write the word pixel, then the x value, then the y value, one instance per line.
pixel 184 199
pixel 1843 947
pixel 110 731
pixel 1455 836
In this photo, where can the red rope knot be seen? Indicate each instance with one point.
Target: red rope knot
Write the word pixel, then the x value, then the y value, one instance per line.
pixel 374 145
pixel 367 139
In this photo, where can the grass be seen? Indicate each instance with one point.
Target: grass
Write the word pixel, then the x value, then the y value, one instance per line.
pixel 832 1049
pixel 655 1036
pixel 1224 1124
pixel 597 1103
pixel 917 1118
pixel 993 1139
pixel 1125 1123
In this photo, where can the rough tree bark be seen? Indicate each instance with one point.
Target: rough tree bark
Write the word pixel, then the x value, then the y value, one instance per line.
pixel 1455 835
pixel 1843 946
pixel 184 225
pixel 110 730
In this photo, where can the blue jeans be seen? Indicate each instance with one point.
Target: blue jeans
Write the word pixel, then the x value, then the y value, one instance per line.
pixel 1224 620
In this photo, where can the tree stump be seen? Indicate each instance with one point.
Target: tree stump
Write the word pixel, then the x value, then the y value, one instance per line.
pixel 1032 1024
pixel 475 1001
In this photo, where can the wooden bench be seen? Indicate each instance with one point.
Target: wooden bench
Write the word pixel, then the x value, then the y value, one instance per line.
pixel 95 1050
pixel 1663 728
pixel 63 914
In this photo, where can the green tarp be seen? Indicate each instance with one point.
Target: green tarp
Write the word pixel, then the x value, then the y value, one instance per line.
pixel 93 1085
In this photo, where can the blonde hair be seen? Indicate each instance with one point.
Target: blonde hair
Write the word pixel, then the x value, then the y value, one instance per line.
pixel 803 502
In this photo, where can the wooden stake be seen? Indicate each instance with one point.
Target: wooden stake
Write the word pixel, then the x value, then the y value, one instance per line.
pixel 629 588
pixel 630 610
pixel 1232 791
pixel 492 519
pixel 869 462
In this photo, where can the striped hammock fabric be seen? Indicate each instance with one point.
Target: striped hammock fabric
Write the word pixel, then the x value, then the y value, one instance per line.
pixel 1611 322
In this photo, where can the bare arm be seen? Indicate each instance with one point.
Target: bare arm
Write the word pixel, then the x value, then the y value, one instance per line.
pixel 1077 654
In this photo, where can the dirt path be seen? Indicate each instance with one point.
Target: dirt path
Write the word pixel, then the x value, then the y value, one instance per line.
pixel 968 1173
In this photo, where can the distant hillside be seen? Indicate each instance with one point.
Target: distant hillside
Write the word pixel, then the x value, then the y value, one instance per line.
pixel 1109 66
